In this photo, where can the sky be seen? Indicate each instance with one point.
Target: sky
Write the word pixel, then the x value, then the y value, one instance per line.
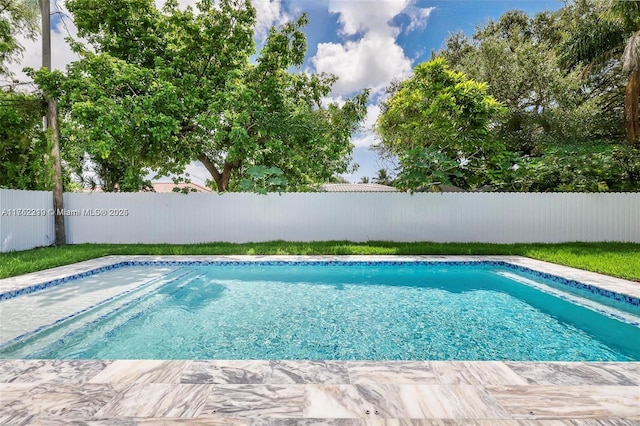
pixel 365 43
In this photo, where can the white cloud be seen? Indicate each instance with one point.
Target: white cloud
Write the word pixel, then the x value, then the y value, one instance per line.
pixel 268 14
pixel 419 17
pixel 359 16
pixel 364 140
pixel 61 53
pixel 373 60
pixel 373 111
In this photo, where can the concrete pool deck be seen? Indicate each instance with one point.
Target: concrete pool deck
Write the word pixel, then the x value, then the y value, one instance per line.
pixel 123 392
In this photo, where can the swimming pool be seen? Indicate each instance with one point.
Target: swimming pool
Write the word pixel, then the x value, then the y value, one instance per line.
pixel 319 310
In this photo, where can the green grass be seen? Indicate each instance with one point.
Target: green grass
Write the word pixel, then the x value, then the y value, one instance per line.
pixel 615 259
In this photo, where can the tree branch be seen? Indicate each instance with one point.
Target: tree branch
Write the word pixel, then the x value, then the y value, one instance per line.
pixel 211 168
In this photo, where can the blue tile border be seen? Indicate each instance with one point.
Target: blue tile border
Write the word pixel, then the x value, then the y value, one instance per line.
pixel 53 283
pixel 635 301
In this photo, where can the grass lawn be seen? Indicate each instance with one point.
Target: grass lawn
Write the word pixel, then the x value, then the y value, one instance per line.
pixel 615 259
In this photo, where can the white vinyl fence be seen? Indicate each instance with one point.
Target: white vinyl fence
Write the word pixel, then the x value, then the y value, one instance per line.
pixel 25 220
pixel 245 217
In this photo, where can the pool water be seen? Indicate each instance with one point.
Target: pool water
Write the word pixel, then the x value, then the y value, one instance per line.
pixel 323 311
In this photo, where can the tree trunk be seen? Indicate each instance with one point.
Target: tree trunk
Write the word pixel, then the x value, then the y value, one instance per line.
pixel 58 194
pixel 632 107
pixel 54 130
pixel 221 179
pixel 217 177
pixel 226 173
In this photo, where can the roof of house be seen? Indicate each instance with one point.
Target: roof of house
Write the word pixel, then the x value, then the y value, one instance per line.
pixel 164 187
pixel 356 187
pixel 169 187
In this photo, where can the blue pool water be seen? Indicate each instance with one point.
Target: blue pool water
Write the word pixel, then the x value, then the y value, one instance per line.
pixel 330 312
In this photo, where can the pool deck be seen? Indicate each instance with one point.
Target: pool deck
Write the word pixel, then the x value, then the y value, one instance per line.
pixel 129 392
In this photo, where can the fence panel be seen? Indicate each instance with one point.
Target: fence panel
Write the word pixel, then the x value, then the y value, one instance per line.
pixel 243 217
pixel 26 219
pixel 446 217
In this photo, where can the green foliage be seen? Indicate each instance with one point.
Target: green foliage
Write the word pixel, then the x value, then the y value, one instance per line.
pixel 588 37
pixel 17 17
pixel 595 168
pixel 438 123
pixel 423 169
pixel 119 114
pixel 602 40
pixel 337 179
pixel 567 173
pixel 382 177
pixel 516 56
pixel 166 87
pixel 628 160
pixel 23 145
pixel 556 107
pixel 263 179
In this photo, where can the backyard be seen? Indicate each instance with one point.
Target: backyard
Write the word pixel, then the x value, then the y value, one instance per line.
pixel 489 274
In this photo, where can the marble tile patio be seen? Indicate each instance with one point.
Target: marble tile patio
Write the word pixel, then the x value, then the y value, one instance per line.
pixel 123 392
pixel 158 392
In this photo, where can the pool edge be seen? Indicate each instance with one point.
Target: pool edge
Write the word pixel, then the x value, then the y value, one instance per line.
pixel 89 267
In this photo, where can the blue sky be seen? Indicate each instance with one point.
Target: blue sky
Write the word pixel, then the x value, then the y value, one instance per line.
pixel 365 43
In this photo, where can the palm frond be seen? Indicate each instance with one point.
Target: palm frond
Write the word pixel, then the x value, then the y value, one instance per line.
pixel 626 12
pixel 631 55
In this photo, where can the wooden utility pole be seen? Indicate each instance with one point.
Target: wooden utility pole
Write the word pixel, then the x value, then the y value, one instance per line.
pixel 53 130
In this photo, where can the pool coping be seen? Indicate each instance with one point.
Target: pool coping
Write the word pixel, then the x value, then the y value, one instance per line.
pixel 319 392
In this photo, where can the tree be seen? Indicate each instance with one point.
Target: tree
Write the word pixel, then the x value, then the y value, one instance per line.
pixel 169 86
pixel 438 123
pixel 17 17
pixel 382 177
pixel 337 179
pixel 516 56
pixel 23 145
pixel 605 39
pixel 119 114
pixel 565 111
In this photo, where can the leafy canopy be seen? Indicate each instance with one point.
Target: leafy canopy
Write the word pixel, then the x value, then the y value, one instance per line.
pixel 516 56
pixel 604 42
pixel 166 87
pixel 438 123
pixel 23 145
pixel 17 17
pixel 562 77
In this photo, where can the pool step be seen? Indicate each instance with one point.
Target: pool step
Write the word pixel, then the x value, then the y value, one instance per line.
pixel 74 325
pixel 590 304
pixel 121 316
